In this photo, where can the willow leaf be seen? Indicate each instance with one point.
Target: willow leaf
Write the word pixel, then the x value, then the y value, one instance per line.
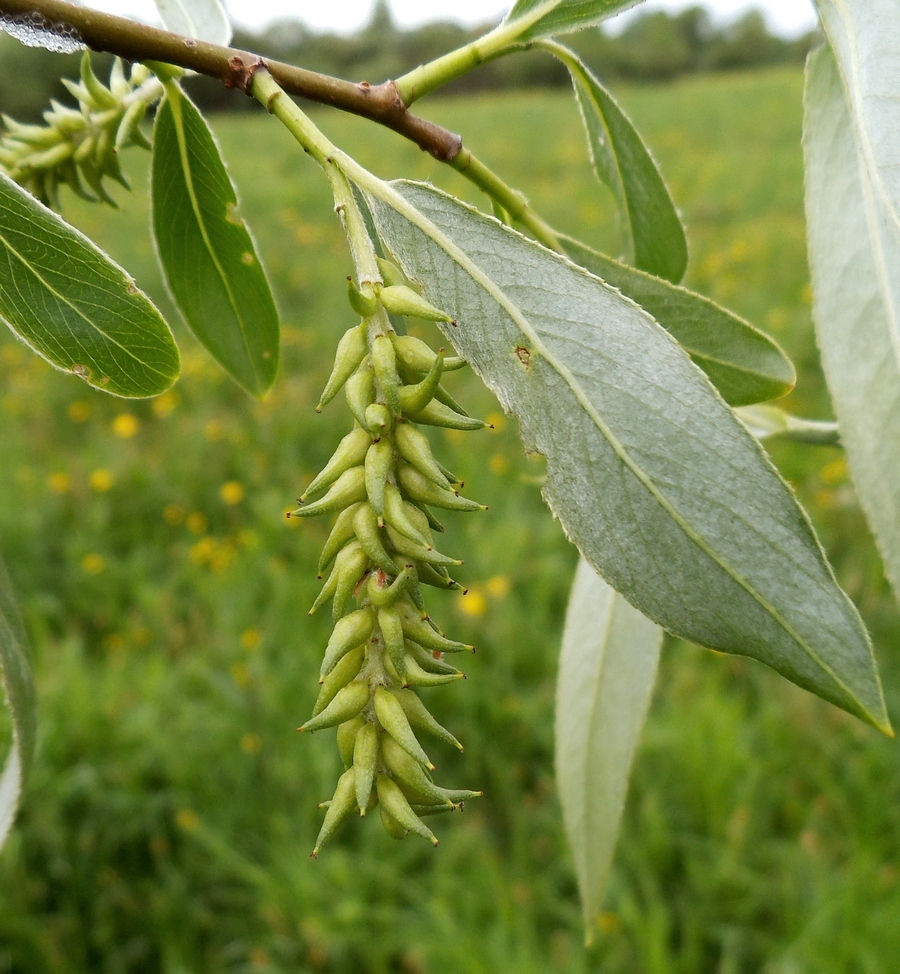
pixel 743 363
pixel 205 20
pixel 852 146
pixel 207 253
pixel 607 670
pixel 664 491
pixel 546 18
pixel 621 160
pixel 74 306
pixel 18 685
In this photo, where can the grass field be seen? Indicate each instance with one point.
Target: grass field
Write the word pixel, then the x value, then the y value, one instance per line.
pixel 169 819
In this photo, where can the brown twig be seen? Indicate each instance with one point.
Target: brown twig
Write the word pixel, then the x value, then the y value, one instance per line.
pixel 234 68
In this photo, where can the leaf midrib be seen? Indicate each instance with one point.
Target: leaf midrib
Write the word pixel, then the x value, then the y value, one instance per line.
pixel 64 300
pixel 178 121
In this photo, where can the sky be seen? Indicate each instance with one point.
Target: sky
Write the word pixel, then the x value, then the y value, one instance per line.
pixel 786 16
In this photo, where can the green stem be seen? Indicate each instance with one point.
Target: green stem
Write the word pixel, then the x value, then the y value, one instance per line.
pixel 503 39
pixel 509 199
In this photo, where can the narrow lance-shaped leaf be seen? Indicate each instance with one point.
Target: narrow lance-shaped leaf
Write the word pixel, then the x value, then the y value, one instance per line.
pixel 209 258
pixel 205 20
pixel 18 686
pixel 770 422
pixel 852 149
pixel 544 18
pixel 607 670
pixel 621 160
pixel 743 363
pixel 74 306
pixel 664 491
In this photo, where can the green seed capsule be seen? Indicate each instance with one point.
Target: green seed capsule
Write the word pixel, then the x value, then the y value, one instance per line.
pixel 341 805
pixel 348 633
pixel 346 738
pixel 351 565
pixel 379 464
pixel 418 677
pixel 426 810
pixel 414 398
pixel 436 577
pixel 399 299
pixel 444 397
pixel 406 769
pixel 394 802
pixel 391 273
pixel 347 703
pixel 365 760
pixel 416 358
pixel 341 533
pixel 362 303
pixel 365 524
pixel 422 491
pixel 416 551
pixel 394 641
pixel 345 671
pixel 422 633
pixel 378 418
pixel 349 488
pixel 393 719
pixel 420 718
pixel 397 515
pixel 351 452
pixel 432 661
pixel 384 361
pixel 100 94
pixel 131 120
pixel 351 352
pixel 327 591
pixel 413 446
pixel 437 414
pixel 383 593
pixel 360 391
pixel 393 828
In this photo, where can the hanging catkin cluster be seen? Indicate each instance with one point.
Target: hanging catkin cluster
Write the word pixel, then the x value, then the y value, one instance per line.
pixel 382 482
pixel 79 147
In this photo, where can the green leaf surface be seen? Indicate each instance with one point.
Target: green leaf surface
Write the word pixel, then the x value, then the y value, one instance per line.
pixel 75 307
pixel 621 160
pixel 18 686
pixel 607 670
pixel 743 363
pixel 208 256
pixel 852 147
pixel 546 18
pixel 204 19
pixel 663 490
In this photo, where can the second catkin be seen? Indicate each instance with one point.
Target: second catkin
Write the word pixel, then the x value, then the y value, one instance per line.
pixel 382 484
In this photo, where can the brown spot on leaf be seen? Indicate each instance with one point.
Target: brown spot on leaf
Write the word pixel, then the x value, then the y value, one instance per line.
pixel 524 356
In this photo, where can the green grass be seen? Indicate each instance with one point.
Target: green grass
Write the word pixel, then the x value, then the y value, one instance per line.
pixel 171 811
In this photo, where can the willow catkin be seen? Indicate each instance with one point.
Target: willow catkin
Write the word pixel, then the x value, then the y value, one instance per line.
pixel 381 483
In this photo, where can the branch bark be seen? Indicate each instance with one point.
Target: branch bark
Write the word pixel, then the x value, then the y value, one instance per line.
pixel 233 67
